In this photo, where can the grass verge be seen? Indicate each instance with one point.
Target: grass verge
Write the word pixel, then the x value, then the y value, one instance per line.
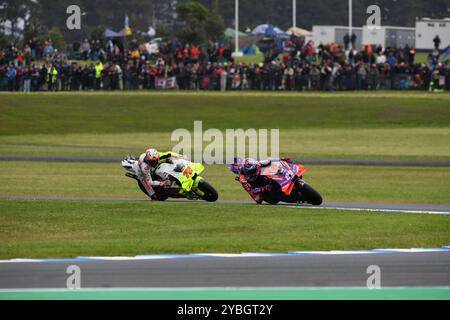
pixel 39 229
pixel 335 183
pixel 133 113
pixel 311 143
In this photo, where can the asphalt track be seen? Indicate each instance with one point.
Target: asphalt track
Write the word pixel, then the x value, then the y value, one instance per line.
pixel 397 270
pixel 418 269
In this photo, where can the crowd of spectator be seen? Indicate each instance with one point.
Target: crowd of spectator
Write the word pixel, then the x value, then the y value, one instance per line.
pixel 301 66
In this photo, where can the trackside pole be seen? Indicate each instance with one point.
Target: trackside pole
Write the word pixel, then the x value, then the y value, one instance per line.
pixel 350 21
pixel 236 53
pixel 294 13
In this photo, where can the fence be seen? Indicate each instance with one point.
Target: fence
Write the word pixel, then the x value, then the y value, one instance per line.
pixel 306 82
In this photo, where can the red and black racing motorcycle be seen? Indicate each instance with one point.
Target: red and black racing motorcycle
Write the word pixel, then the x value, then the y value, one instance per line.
pixel 286 181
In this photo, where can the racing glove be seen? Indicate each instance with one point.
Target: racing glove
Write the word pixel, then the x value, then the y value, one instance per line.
pixel 165 184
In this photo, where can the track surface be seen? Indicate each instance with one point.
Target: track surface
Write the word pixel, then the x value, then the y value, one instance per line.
pixel 397 270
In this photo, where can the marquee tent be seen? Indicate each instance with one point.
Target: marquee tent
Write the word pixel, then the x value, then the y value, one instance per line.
pixel 299 32
pixel 268 30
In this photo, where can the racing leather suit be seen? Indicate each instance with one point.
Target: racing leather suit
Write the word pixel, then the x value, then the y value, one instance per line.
pixel 148 171
pixel 259 186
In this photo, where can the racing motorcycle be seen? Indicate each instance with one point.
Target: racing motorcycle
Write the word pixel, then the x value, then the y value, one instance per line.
pixel 184 177
pixel 286 182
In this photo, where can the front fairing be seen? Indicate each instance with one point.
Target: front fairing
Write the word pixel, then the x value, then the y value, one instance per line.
pixel 284 174
pixel 183 171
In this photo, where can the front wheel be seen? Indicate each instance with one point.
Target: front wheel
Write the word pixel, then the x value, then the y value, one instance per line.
pixel 310 195
pixel 210 194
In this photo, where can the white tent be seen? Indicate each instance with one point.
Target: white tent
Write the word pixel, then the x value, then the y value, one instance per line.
pixel 299 32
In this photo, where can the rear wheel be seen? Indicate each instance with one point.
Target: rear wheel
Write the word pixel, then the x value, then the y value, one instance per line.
pixel 310 195
pixel 210 194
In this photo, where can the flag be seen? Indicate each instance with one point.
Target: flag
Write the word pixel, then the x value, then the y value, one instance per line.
pixel 369 49
pixel 126 27
pixel 445 53
pixel 164 83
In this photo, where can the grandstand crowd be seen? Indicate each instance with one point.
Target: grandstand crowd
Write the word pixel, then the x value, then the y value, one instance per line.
pixel 300 66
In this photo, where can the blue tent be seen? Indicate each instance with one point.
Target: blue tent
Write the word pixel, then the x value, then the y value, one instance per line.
pixel 268 30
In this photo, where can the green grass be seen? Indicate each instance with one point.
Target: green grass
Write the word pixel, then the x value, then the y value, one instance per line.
pixel 62 229
pixel 249 59
pixel 336 183
pixel 302 143
pixel 382 126
pixel 257 58
pixel 136 113
pixel 411 126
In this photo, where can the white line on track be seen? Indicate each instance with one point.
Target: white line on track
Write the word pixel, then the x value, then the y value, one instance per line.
pixel 374 210
pixel 228 256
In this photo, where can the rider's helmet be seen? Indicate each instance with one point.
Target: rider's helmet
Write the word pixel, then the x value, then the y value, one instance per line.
pixel 251 169
pixel 151 157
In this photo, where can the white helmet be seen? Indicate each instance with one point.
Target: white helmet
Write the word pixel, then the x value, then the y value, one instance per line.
pixel 151 157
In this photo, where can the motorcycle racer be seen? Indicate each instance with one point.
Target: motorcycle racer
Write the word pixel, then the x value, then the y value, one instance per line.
pixel 251 179
pixel 148 162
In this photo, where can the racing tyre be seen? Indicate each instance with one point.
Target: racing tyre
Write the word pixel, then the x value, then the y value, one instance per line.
pixel 211 194
pixel 310 195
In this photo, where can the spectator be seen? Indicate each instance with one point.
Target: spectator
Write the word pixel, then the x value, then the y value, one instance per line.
pixel 11 78
pixel 223 79
pixel 437 42
pixel 52 77
pixel 346 42
pixel 353 41
pixel 362 76
pixel 27 80
pixel 374 77
pixel 48 49
pixel 211 67
pixel 98 75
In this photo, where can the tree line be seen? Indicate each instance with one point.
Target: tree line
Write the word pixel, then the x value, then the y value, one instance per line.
pixel 204 19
